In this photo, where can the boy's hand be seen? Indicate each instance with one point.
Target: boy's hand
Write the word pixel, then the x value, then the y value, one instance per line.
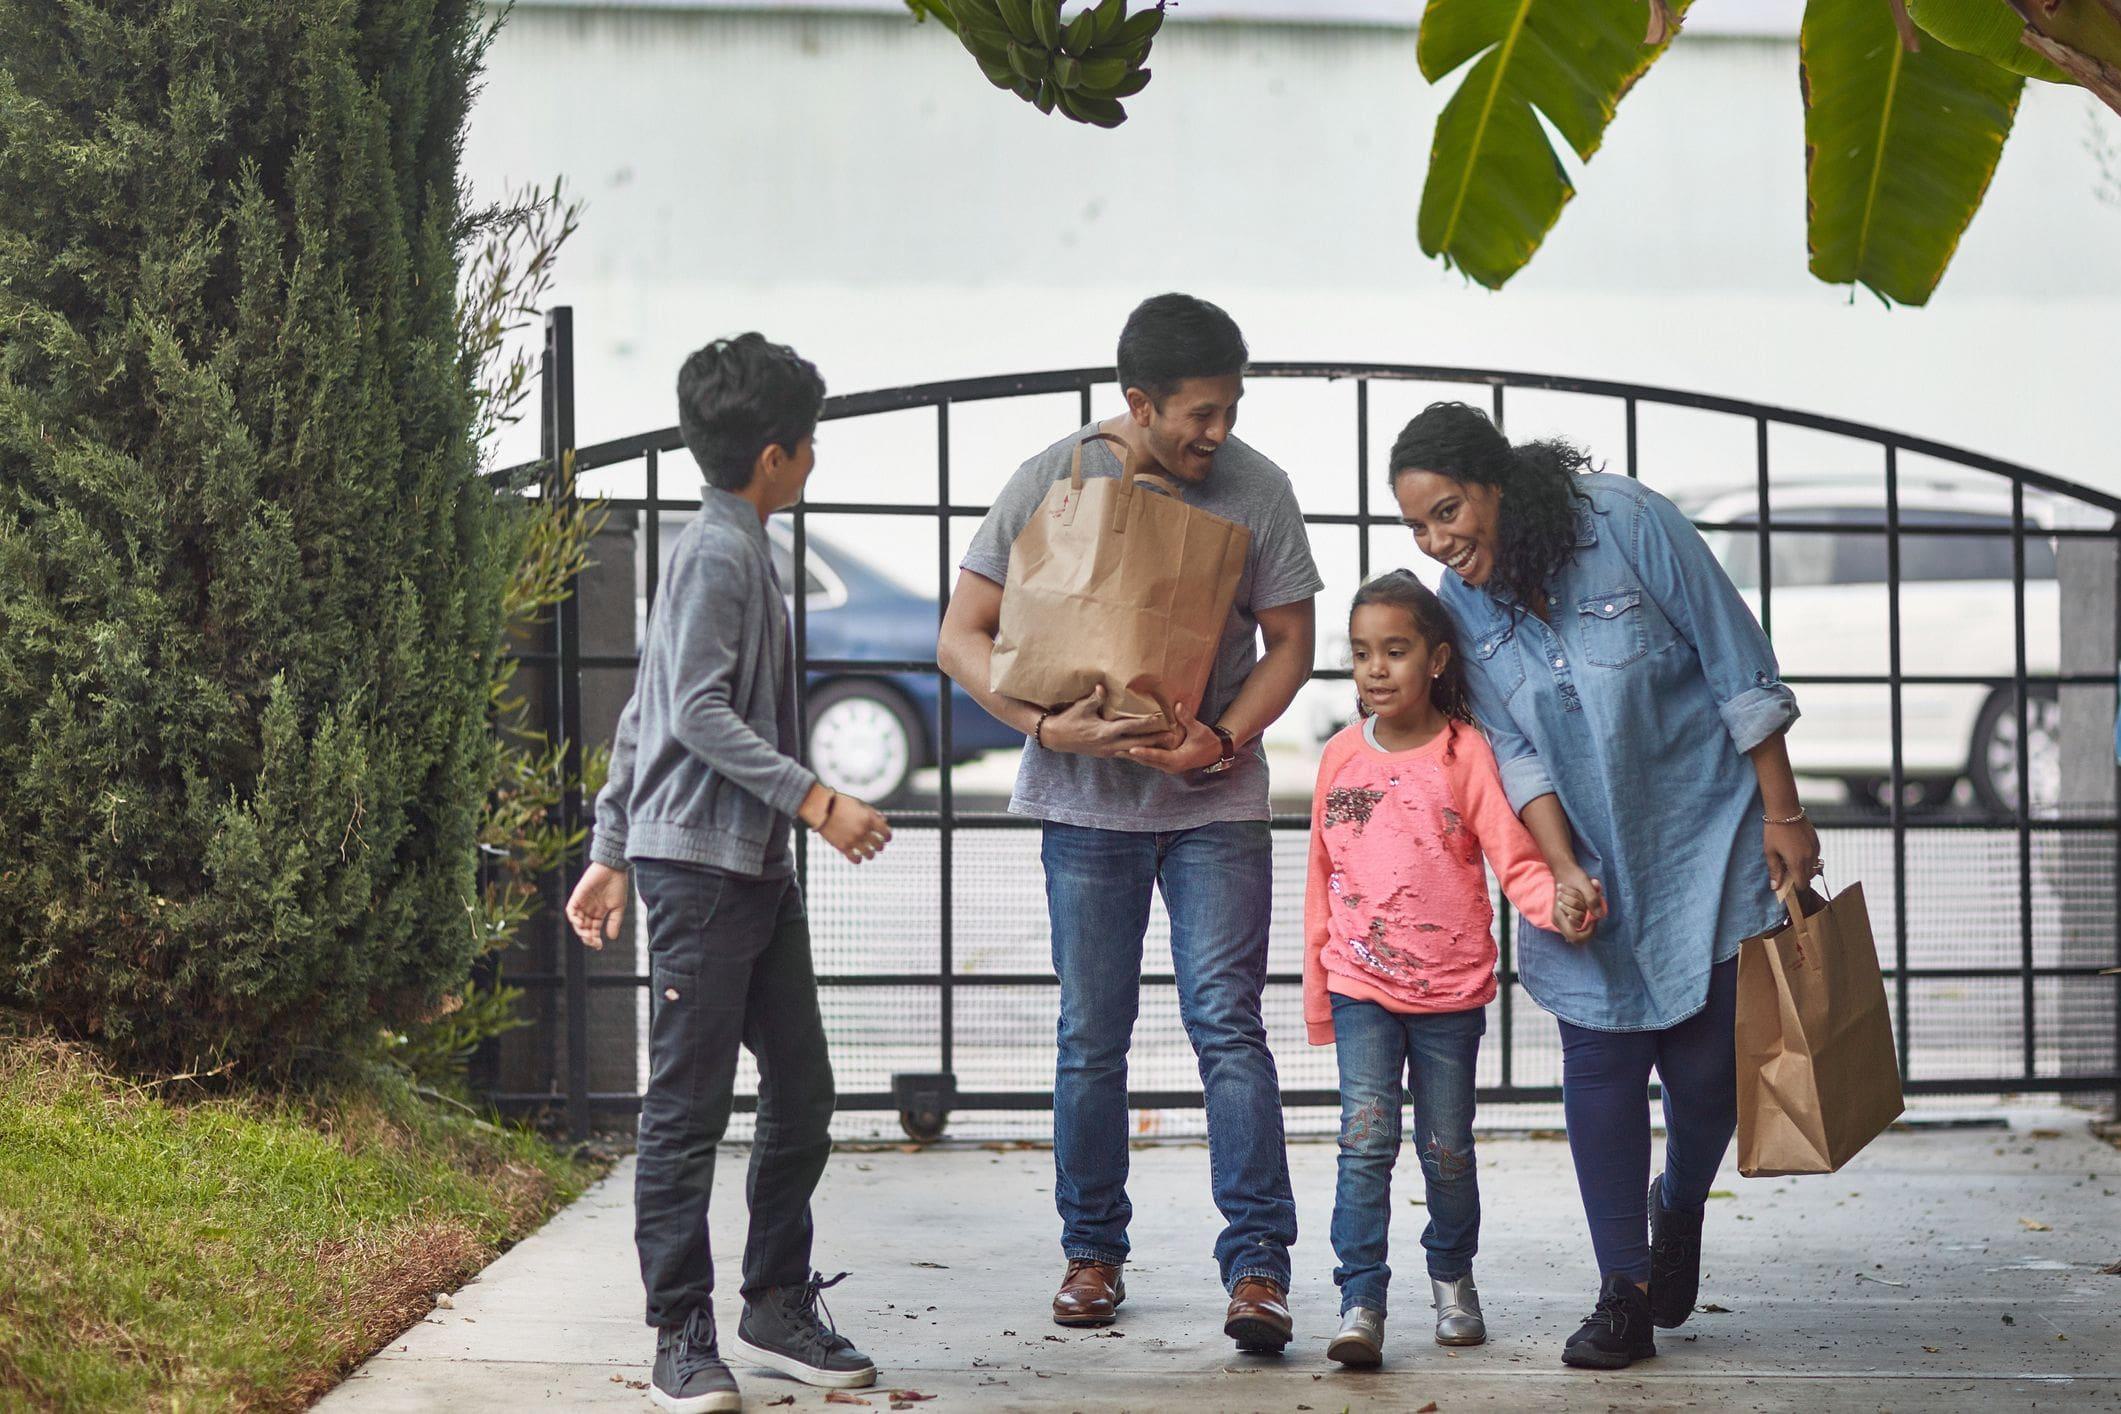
pixel 597 907
pixel 856 829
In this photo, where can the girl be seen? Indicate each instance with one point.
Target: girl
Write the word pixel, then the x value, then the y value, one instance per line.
pixel 1399 952
pixel 1622 678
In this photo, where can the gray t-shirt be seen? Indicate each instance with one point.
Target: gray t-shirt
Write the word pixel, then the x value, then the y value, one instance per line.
pixel 1243 486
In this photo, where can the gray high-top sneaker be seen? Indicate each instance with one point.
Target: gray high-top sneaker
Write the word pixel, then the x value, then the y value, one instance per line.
pixel 1458 1318
pixel 1361 1342
pixel 788 1329
pixel 690 1377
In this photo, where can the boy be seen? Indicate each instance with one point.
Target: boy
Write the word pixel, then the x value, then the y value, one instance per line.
pixel 703 784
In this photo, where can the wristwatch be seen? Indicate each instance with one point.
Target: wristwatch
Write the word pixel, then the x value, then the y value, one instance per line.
pixel 1229 756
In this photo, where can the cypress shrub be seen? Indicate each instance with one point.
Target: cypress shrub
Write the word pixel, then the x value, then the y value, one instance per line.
pixel 250 577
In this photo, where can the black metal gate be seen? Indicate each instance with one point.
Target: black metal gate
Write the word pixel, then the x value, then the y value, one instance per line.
pixel 2010 986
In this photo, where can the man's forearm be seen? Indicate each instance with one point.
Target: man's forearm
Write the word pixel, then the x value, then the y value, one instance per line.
pixel 968 659
pixel 1276 679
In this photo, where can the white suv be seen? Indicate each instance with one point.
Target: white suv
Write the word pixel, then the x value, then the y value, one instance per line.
pixel 1957 617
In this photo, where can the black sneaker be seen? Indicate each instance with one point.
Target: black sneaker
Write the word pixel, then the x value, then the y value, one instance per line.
pixel 690 1377
pixel 1675 1260
pixel 784 1330
pixel 1618 1333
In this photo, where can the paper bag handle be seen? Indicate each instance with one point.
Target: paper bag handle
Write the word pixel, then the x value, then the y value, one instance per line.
pixel 1793 896
pixel 1129 479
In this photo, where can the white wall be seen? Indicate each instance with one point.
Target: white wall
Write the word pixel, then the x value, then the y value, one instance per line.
pixel 848 183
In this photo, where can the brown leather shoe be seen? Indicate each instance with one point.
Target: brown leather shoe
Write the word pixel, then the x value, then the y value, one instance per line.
pixel 1259 1317
pixel 1089 1294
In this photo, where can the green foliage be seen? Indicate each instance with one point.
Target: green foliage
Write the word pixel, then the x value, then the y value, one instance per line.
pixel 1990 28
pixel 250 578
pixel 1900 144
pixel 1495 185
pixel 159 1251
pixel 519 838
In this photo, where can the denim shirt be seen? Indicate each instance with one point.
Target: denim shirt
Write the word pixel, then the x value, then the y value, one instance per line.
pixel 1636 706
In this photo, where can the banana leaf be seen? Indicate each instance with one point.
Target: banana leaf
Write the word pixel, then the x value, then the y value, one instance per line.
pixel 1495 185
pixel 1990 28
pixel 1899 147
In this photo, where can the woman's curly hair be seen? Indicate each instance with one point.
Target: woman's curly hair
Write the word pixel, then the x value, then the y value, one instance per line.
pixel 1535 521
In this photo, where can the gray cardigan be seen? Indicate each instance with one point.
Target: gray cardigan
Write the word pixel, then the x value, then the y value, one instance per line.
pixel 703 769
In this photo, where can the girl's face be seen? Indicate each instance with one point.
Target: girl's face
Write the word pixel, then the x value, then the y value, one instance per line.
pixel 1453 522
pixel 1394 665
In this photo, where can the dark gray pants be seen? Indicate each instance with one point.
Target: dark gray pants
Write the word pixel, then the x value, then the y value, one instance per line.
pixel 729 959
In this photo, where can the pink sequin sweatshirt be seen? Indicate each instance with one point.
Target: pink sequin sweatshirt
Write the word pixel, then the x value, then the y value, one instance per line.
pixel 1396 910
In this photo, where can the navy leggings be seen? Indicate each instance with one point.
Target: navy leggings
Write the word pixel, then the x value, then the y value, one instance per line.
pixel 1605 1078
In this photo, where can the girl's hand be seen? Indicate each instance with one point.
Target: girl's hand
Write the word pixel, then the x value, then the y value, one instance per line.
pixel 1792 853
pixel 1579 904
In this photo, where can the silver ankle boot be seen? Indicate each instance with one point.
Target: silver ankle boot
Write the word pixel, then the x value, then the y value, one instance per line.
pixel 1458 1319
pixel 1361 1341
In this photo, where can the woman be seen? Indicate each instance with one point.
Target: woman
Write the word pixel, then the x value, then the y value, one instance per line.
pixel 1629 693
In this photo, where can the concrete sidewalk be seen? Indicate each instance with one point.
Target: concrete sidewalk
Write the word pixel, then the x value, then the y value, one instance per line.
pixel 1942 1270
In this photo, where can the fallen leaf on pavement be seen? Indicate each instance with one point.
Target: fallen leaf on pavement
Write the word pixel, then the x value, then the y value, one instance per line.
pixel 932 1266
pixel 1721 1193
pixel 1882 1281
pixel 1931 1349
pixel 1713 1309
pixel 781 1399
pixel 840 1396
pixel 2034 1225
pixel 1429 1408
pixel 910 1396
pixel 2111 1269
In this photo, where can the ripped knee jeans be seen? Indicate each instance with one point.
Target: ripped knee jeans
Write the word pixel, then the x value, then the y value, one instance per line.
pixel 1386 1060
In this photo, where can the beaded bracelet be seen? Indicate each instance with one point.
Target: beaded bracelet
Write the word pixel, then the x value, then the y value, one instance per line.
pixel 1799 818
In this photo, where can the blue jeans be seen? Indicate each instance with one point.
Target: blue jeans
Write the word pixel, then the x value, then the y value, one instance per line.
pixel 1605 1081
pixel 1436 1053
pixel 1218 883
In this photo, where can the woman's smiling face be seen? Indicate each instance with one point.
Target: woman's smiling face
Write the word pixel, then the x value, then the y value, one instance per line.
pixel 1453 522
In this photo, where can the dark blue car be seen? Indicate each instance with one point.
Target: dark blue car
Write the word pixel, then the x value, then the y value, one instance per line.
pixel 869 732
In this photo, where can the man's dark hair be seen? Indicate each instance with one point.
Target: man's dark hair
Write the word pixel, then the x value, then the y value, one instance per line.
pixel 736 397
pixel 1170 338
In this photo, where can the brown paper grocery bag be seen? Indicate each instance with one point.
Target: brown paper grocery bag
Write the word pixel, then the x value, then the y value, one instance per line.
pixel 1817 1075
pixel 1116 580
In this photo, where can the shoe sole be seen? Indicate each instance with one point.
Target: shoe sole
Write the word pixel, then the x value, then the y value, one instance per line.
pixel 1257 1337
pixel 1462 1340
pixel 1594 1359
pixel 808 1374
pixel 1355 1353
pixel 717 1403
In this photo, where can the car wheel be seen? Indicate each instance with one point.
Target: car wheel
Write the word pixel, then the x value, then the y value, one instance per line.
pixel 1873 794
pixel 865 740
pixel 1994 764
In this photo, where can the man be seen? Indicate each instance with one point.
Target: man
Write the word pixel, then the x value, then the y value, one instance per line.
pixel 1133 806
pixel 703 786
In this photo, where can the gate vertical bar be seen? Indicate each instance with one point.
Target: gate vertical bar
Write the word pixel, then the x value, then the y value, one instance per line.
pixel 946 751
pixel 1767 577
pixel 1901 986
pixel 2025 773
pixel 1362 480
pixel 1634 466
pixel 558 438
pixel 800 558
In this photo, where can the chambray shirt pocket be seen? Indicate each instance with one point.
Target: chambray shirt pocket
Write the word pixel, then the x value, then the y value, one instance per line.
pixel 1611 628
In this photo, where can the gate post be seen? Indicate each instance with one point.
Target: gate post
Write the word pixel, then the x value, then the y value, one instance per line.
pixel 2086 884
